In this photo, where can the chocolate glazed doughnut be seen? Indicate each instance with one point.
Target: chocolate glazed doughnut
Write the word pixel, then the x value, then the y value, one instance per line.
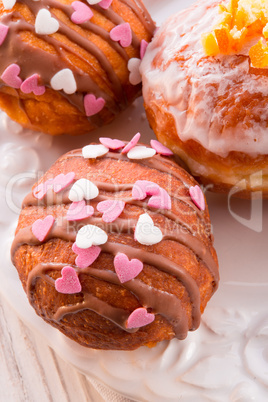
pixel 66 73
pixel 133 265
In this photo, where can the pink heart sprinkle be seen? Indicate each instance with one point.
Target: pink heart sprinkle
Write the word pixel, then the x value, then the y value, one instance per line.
pixel 197 197
pixel 132 143
pixel 31 85
pixel 86 256
pixel 3 33
pixel 160 201
pixel 111 144
pixel 111 209
pixel 160 148
pixel 143 188
pixel 10 76
pixel 143 48
pixel 139 318
pixel 79 210
pixel 105 4
pixel 69 282
pixel 122 33
pixel 82 12
pixel 41 227
pixel 93 105
pixel 62 181
pixel 127 269
pixel 40 191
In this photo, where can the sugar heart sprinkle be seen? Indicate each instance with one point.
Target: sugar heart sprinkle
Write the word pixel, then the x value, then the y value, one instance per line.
pixel 143 48
pixel 139 318
pixel 45 24
pixel 131 143
pixel 142 188
pixel 69 282
pixel 111 209
pixel 122 33
pixel 93 105
pixel 31 85
pixel 83 189
pixel 105 4
pixel 79 210
pixel 94 151
pixel 127 269
pixel 160 148
pixel 11 76
pixel 82 12
pixel 112 144
pixel 8 4
pixel 61 181
pixel 197 197
pixel 41 227
pixel 146 232
pixel 64 80
pixel 3 33
pixel 90 235
pixel 40 191
pixel 141 152
pixel 85 256
pixel 134 71
pixel 161 200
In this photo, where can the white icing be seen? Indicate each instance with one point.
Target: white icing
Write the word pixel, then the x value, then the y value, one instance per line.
pixel 190 92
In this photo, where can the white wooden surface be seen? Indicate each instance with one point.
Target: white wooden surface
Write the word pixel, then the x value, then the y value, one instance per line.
pixel 30 371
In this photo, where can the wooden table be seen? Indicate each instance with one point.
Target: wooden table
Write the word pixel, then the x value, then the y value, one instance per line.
pixel 30 371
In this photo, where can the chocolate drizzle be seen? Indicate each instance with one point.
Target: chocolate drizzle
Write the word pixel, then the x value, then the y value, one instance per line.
pixel 159 302
pixel 46 64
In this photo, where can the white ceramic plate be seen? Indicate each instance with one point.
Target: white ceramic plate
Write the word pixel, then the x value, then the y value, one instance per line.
pixel 227 357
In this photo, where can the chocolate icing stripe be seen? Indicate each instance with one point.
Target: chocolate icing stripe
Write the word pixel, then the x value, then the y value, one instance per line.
pixel 163 303
pixel 116 315
pixel 164 265
pixel 25 236
pixel 67 232
pixel 46 65
pixel 51 198
pixel 78 39
pixel 141 12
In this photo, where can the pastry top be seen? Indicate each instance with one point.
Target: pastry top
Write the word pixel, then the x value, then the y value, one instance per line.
pixel 108 207
pixel 208 97
pixel 79 50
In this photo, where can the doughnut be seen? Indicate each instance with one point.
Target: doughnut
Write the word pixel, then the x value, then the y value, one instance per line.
pixel 205 89
pixel 68 67
pixel 114 246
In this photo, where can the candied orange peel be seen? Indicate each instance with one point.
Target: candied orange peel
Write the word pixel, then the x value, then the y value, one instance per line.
pixel 240 22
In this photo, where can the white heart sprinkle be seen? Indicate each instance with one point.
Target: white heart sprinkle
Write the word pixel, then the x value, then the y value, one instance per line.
pixel 83 189
pixel 64 80
pixel 141 152
pixel 45 24
pixel 92 2
pixel 146 232
pixel 134 71
pixel 8 4
pixel 90 235
pixel 93 151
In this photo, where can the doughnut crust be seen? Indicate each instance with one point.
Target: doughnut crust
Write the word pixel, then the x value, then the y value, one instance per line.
pixel 210 110
pixel 179 275
pixel 97 64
